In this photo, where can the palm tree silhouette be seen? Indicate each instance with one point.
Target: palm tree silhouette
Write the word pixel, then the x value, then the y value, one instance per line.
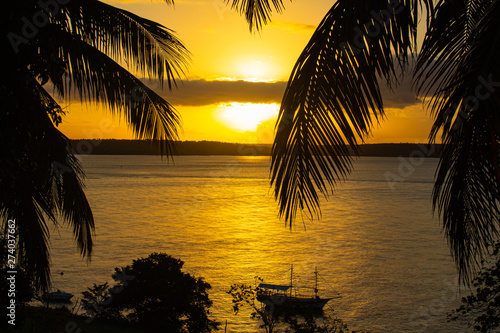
pixel 333 99
pixel 76 47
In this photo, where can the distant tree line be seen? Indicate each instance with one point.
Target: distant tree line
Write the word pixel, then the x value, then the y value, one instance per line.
pixel 141 147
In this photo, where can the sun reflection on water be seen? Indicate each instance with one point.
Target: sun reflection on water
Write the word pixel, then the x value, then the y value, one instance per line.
pixel 217 214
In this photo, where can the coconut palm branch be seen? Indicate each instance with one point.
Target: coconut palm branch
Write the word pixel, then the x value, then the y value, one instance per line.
pixel 39 175
pixel 257 12
pixel 85 48
pixel 101 79
pixel 333 98
pixel 458 68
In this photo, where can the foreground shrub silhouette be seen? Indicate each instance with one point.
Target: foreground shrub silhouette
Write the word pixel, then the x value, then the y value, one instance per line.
pixel 154 294
pixel 482 307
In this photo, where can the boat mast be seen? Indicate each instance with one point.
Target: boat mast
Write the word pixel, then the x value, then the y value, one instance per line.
pixel 291 280
pixel 316 286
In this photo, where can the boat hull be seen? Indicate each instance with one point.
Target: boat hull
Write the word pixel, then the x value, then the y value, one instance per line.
pixel 57 297
pixel 298 303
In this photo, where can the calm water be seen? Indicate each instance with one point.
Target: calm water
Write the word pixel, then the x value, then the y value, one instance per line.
pixel 378 244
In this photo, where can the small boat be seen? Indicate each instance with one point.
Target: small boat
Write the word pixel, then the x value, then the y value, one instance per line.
pixel 57 296
pixel 283 296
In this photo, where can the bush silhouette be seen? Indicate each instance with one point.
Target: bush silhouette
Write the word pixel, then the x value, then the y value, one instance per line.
pixel 154 294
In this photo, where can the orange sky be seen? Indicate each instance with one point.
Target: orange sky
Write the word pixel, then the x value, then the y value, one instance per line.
pixel 234 84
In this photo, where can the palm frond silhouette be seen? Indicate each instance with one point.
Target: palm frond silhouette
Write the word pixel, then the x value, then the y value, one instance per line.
pixel 80 48
pixel 333 100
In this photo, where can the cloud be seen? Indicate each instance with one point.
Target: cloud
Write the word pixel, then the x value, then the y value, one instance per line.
pixel 203 92
pixel 401 97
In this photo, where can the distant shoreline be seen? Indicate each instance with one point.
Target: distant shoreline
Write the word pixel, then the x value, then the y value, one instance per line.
pixel 141 147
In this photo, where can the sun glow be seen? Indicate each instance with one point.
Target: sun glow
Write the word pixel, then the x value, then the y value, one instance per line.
pixel 244 117
pixel 255 71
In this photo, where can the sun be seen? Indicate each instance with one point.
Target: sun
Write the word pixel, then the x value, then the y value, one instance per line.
pixel 256 70
pixel 244 117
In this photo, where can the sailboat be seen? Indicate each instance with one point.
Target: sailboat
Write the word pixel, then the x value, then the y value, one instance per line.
pixel 57 296
pixel 284 296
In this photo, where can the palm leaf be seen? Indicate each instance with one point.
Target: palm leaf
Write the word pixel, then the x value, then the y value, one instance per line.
pixel 148 47
pixel 40 178
pixel 78 51
pixel 98 77
pixel 333 98
pixel 257 12
pixel 458 68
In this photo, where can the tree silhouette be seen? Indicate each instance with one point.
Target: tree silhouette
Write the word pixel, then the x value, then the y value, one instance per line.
pixel 481 308
pixel 155 294
pixel 74 48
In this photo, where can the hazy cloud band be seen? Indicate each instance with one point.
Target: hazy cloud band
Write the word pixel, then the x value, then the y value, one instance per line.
pixel 203 92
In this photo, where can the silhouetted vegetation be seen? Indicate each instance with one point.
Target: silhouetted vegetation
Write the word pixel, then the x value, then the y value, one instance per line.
pixel 482 307
pixel 38 319
pixel 154 294
pixel 310 324
pixel 72 48
pixel 333 101
pixel 245 295
pixel 141 147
